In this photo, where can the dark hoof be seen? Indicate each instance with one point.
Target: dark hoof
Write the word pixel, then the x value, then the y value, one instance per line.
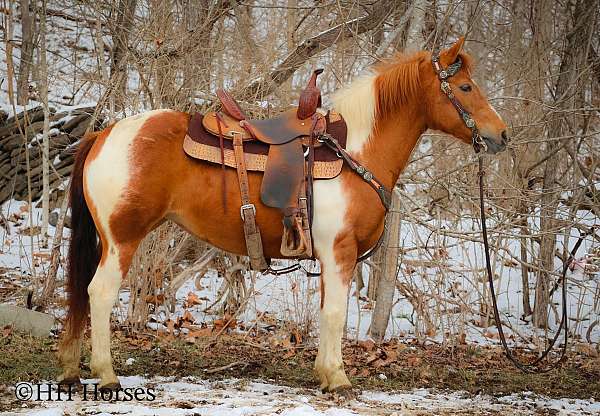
pixel 343 393
pixel 71 381
pixel 111 387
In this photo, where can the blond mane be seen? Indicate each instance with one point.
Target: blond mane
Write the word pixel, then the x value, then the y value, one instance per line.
pixel 397 82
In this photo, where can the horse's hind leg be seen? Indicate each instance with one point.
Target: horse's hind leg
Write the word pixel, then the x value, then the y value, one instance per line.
pixel 103 291
pixel 119 184
pixel 69 354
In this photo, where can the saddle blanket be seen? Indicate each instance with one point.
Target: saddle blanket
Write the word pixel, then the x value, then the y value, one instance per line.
pixel 201 144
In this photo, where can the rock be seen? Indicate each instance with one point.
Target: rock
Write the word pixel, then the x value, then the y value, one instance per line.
pixel 80 130
pixel 55 199
pixel 53 219
pixel 74 122
pixel 11 142
pixel 83 110
pixel 25 320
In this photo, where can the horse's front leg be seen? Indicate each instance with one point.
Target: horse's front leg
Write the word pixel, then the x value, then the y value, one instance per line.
pixel 336 274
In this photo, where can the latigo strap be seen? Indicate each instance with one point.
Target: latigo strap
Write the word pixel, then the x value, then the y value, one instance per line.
pixel 248 210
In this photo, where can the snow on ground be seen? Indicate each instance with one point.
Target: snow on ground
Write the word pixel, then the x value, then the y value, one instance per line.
pixel 239 397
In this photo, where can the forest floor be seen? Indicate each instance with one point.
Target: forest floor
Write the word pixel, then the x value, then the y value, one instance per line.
pixel 392 377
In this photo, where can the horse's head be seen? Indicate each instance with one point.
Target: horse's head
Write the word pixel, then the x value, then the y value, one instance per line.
pixel 449 106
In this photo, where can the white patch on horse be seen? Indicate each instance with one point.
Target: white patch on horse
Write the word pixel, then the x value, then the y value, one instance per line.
pixel 106 177
pixel 329 210
pixel 105 181
pixel 356 103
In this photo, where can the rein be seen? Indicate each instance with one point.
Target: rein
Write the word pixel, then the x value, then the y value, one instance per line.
pixel 478 145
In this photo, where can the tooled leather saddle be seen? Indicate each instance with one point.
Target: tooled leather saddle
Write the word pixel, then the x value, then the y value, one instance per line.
pixel 286 148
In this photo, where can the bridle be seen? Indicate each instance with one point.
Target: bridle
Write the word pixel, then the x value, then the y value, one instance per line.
pixel 479 144
pixel 443 75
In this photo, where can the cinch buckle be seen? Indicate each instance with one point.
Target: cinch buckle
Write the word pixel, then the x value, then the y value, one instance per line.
pixel 244 208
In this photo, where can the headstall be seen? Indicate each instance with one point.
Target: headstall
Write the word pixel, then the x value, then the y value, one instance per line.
pixel 443 75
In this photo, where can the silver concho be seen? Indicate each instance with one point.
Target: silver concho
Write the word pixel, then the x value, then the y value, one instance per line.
pixel 367 176
pixel 469 121
pixel 443 74
pixel 360 170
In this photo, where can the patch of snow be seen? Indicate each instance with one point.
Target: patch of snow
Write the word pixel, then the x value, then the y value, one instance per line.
pixel 193 396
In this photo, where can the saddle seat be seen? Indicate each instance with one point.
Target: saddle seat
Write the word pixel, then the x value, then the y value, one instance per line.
pixel 278 130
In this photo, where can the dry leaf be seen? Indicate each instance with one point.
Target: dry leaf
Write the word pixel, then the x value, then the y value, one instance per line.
pixel 171 326
pixel 192 299
pixel 490 335
pixel 7 331
pixel 226 322
pixel 295 337
pixel 203 332
pixel 188 317
pixel 368 345
pixel 155 299
pixel 586 349
pixel 290 353
pixel 413 361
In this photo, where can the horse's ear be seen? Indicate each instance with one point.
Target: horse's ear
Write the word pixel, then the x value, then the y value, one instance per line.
pixel 448 56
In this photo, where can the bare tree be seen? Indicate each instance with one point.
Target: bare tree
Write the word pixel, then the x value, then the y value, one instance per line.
pixel 43 97
pixel 384 275
pixel 125 12
pixel 574 59
pixel 27 46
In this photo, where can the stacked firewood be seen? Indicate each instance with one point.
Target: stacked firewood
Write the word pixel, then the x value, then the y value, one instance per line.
pixel 23 133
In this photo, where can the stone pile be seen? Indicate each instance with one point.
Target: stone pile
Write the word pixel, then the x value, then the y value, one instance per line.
pixel 66 129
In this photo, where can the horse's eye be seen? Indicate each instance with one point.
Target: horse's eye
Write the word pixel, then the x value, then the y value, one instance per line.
pixel 465 87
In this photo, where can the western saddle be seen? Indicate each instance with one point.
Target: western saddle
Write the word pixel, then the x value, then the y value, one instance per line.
pixel 289 150
pixel 287 179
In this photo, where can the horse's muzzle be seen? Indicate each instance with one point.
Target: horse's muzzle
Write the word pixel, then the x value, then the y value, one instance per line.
pixel 495 146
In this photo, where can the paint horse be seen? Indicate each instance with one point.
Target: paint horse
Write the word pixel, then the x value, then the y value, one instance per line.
pixel 134 175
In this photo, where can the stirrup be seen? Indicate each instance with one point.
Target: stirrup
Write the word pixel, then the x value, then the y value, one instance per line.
pixel 294 242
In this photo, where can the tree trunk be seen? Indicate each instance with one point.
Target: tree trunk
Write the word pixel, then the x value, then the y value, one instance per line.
pixel 43 91
pixel 574 57
pixel 414 33
pixel 49 285
pixel 383 279
pixel 388 273
pixel 120 38
pixel 27 30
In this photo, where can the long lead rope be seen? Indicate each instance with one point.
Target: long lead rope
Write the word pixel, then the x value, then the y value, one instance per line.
pixel 533 367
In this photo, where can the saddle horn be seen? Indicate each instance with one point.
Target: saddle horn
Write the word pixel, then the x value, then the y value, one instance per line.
pixel 310 98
